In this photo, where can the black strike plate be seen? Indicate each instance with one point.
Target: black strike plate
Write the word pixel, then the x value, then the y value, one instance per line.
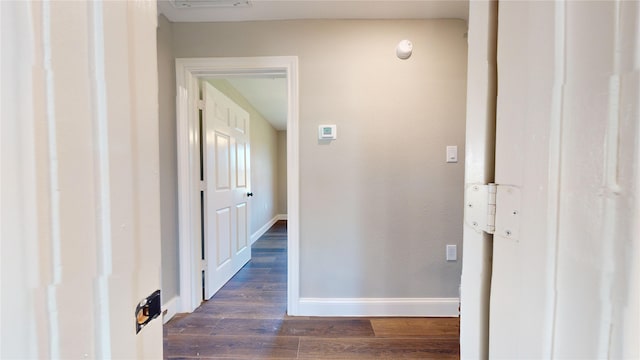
pixel 148 309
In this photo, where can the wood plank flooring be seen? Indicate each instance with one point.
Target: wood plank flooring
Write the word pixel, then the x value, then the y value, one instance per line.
pixel 247 319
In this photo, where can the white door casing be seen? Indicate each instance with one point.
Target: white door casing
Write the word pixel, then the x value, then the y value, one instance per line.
pixel 479 169
pixel 228 179
pixel 80 200
pixel 189 71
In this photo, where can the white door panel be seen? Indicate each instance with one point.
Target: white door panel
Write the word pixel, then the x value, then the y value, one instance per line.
pixel 221 163
pixel 227 176
pixel 221 246
pixel 241 164
pixel 242 216
pixel 567 136
pixel 80 184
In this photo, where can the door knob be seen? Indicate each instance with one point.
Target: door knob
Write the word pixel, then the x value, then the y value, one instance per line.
pixel 249 194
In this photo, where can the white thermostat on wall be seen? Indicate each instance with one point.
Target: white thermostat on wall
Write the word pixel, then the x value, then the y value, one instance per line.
pixel 327 132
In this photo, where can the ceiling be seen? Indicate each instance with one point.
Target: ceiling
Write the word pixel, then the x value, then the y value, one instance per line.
pixel 223 10
pixel 269 96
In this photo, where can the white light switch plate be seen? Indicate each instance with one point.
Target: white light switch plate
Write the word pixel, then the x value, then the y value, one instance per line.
pixel 452 154
pixel 452 253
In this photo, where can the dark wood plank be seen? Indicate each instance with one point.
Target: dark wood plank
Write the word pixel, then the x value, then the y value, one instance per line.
pixel 252 347
pixel 265 286
pixel 416 327
pixel 248 327
pixel 377 348
pixel 260 277
pixel 270 260
pixel 327 328
pixel 225 357
pixel 191 325
pixel 290 327
pixel 243 311
pixel 250 295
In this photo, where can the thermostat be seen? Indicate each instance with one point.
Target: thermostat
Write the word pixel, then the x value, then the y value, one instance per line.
pixel 327 132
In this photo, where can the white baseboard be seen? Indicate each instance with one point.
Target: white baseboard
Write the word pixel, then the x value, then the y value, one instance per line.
pixel 171 308
pixel 256 235
pixel 418 307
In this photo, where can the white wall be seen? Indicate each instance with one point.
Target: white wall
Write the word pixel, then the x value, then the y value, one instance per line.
pixel 379 204
pixel 168 160
pixel 568 136
pixel 282 172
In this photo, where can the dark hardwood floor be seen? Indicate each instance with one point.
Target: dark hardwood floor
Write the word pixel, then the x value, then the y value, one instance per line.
pixel 247 319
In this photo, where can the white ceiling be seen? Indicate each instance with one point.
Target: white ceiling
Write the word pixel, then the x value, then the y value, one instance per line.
pixel 269 96
pixel 200 11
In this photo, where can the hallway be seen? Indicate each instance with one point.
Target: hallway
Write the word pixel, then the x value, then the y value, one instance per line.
pixel 247 319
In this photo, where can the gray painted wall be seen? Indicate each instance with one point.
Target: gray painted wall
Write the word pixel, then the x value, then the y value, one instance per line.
pixel 168 161
pixel 379 204
pixel 282 172
pixel 263 160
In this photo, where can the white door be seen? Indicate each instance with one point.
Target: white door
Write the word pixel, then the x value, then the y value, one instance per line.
pixel 227 194
pixel 567 136
pixel 80 185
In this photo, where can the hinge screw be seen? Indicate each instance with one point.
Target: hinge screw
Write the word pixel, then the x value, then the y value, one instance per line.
pixel 508 232
pixel 475 223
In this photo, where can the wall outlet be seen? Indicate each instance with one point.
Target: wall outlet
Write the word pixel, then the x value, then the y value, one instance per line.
pixel 452 253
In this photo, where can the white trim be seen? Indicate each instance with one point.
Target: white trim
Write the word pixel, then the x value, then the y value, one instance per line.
pixel 256 235
pixel 187 73
pixel 417 307
pixel 554 174
pixel 170 309
pixel 188 219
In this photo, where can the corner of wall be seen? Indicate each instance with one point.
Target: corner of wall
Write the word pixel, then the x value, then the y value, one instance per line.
pixel 170 309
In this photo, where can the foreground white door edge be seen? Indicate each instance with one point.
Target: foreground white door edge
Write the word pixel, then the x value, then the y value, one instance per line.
pixel 567 136
pixel 480 140
pixel 228 182
pixel 80 200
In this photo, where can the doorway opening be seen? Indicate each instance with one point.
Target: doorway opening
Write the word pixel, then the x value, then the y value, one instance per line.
pixel 189 73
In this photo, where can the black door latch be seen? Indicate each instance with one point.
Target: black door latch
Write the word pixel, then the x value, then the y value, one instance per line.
pixel 148 309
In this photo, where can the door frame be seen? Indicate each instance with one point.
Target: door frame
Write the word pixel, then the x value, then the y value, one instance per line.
pixel 477 267
pixel 188 72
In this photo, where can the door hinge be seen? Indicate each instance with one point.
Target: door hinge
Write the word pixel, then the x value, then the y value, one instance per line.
pixel 493 208
pixel 200 104
pixel 203 185
pixel 203 265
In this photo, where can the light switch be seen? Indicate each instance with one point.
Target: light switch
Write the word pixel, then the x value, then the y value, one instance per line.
pixel 452 253
pixel 452 154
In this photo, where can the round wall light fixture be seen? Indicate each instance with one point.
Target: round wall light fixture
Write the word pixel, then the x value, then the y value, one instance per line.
pixel 404 49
